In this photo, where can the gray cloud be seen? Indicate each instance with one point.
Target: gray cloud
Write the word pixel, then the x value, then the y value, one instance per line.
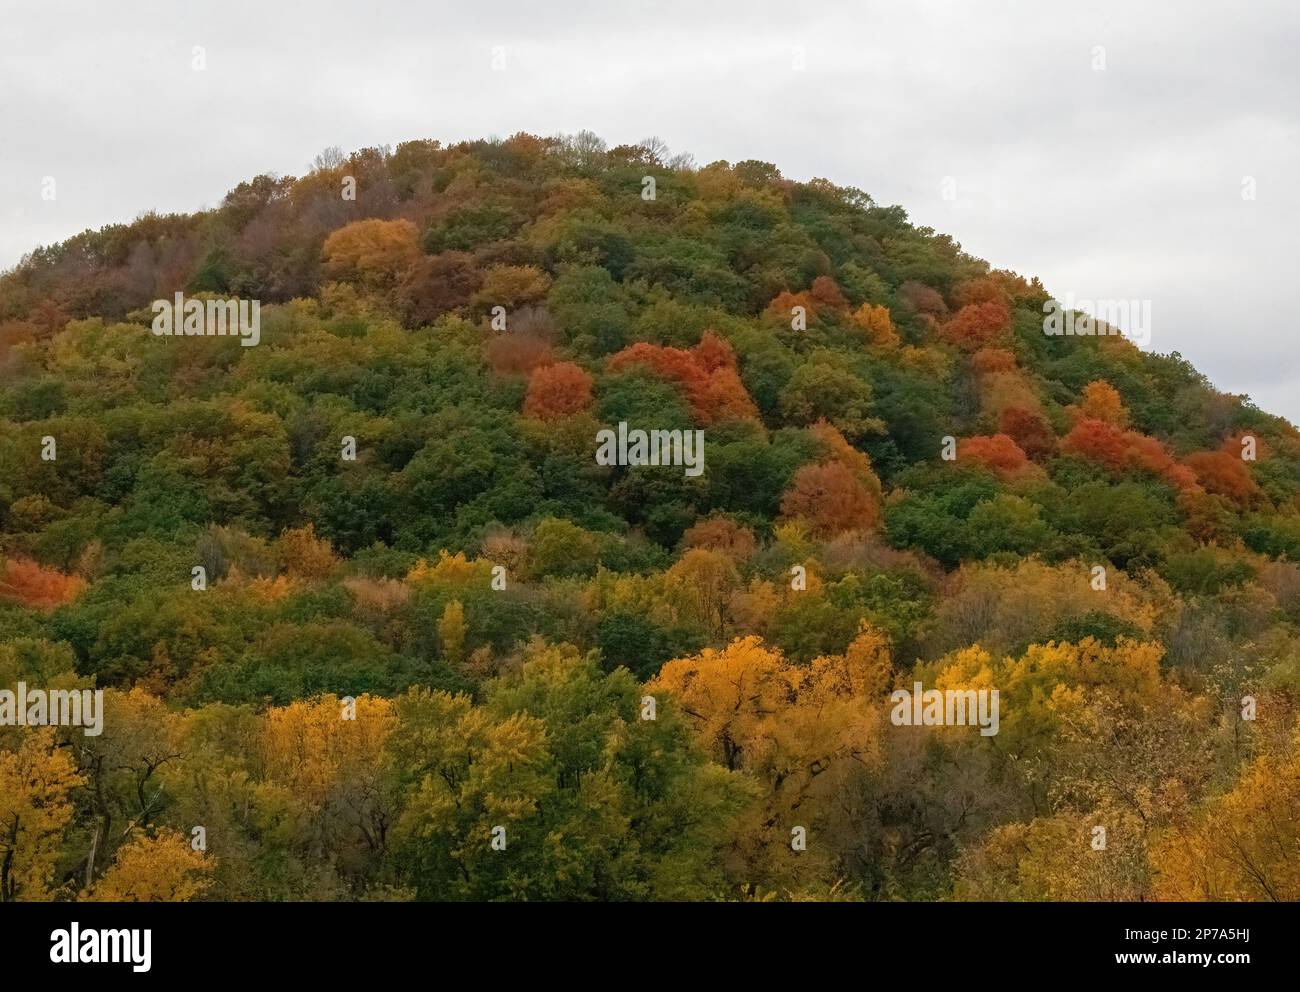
pixel 1123 183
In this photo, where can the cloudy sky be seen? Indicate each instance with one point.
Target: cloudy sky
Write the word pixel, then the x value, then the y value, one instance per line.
pixel 1104 147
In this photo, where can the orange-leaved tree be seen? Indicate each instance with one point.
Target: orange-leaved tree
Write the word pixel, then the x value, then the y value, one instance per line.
pixel 977 325
pixel 706 374
pixel 998 453
pixel 558 390
pixel 26 583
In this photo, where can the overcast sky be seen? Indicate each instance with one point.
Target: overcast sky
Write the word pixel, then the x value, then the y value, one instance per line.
pixel 1117 182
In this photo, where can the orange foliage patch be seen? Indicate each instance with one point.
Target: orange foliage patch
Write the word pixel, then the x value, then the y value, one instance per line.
pixel 831 499
pixel 557 391
pixel 825 292
pixel 1223 473
pixel 857 462
pixel 988 361
pixel 721 534
pixel 714 353
pixel 976 325
pixel 272 590
pixel 1003 387
pixel 304 555
pixel 1236 446
pixel 1120 450
pixel 14 332
pixel 435 284
pixel 26 583
pixel 840 494
pixel 983 290
pixel 1100 442
pixel 822 295
pixel 783 304
pixel 997 452
pixel 1030 430
pixel 706 374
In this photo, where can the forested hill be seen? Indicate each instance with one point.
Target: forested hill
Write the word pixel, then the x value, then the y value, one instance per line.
pixel 395 494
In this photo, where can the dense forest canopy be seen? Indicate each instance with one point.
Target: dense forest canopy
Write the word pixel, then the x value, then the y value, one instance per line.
pixel 373 621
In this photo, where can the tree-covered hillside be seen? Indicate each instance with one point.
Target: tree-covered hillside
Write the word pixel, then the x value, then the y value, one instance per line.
pixel 371 613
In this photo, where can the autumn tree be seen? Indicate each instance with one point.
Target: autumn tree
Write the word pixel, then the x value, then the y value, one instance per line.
pixel 452 630
pixel 998 453
pixel 160 868
pixel 993 361
pixel 28 584
pixel 721 534
pixel 327 775
pixel 1003 607
pixel 303 555
pixel 1120 450
pixel 511 286
pixel 1101 401
pixel 783 306
pixel 984 289
pixel 36 783
pixel 808 732
pixel 824 291
pixel 437 284
pixel 831 499
pixel 977 325
pixel 706 375
pixel 701 583
pixel 123 768
pixel 877 325
pixel 922 298
pixel 1052 859
pixel 1241 847
pixel 374 253
pixel 1225 474
pixel 558 390
pixel 1030 431
pixel 14 332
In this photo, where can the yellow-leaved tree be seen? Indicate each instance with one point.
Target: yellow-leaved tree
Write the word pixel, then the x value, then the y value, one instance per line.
pixel 452 630
pixel 1246 844
pixel 162 868
pixel 35 809
pixel 327 771
pixel 1066 857
pixel 808 733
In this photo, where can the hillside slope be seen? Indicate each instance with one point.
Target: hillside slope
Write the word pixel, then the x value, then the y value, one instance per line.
pixel 397 495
